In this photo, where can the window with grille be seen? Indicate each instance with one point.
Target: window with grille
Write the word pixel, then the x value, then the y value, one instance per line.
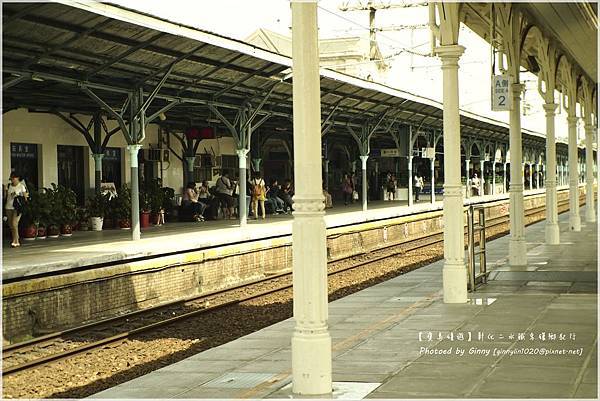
pixel 203 167
pixel 229 162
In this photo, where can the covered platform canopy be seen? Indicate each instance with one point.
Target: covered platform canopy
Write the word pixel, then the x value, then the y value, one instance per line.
pixel 52 51
pixel 80 57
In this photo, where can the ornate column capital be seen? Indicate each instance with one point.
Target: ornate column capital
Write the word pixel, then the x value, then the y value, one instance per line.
pixel 517 88
pixel 572 120
pixel 449 55
pixel 550 108
pixel 242 152
pixel 134 148
pixel 133 152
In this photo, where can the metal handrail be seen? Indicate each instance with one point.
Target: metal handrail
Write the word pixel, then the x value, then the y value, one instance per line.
pixel 476 278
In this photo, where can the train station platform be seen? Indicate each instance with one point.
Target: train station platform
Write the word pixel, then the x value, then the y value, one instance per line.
pixel 530 332
pixel 87 248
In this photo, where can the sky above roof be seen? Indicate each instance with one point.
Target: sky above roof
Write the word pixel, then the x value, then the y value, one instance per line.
pixel 235 18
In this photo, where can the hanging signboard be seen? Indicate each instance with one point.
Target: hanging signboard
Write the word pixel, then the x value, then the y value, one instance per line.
pixel 390 152
pixel 501 99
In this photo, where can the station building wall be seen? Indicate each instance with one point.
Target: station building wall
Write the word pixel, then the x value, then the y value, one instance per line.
pixel 47 131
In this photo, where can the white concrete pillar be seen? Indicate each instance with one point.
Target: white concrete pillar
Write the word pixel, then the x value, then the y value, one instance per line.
pixel 517 247
pixel 493 177
pixel 432 180
pixel 454 271
pixel 135 199
pixel 482 180
pixel 363 163
pixel 243 179
pixel 311 343
pixel 590 209
pixel 574 217
pixel 537 175
pixel 410 181
pixel 97 171
pixel 531 176
pixel 468 182
pixel 552 229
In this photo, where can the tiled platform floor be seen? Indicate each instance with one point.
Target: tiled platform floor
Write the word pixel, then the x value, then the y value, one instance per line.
pixel 375 335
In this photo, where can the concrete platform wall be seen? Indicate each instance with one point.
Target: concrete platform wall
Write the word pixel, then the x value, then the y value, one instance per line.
pixel 46 304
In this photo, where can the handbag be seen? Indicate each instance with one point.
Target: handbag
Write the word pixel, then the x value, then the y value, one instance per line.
pixel 354 195
pixel 19 204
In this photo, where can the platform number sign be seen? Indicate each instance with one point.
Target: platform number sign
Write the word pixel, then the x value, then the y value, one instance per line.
pixel 501 100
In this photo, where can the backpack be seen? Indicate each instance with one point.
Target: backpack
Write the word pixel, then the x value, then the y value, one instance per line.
pixel 257 188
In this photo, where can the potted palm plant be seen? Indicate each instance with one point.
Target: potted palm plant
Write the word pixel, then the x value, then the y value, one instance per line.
pixel 53 211
pixel 145 208
pixel 31 217
pixel 168 196
pixel 83 219
pixel 67 200
pixel 44 211
pixel 97 206
pixel 110 221
pixel 156 201
pixel 123 207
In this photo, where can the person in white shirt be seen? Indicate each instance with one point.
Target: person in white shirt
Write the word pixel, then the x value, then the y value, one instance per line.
pixel 475 182
pixel 203 192
pixel 14 189
pixel 224 191
pixel 418 186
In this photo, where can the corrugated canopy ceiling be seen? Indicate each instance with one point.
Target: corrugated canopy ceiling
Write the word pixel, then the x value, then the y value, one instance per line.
pixel 51 48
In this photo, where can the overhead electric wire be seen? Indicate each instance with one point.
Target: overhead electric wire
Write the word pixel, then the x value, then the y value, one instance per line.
pixel 403 47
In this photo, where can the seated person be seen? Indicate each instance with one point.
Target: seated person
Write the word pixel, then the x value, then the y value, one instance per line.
pixel 275 201
pixel 285 193
pixel 191 202
pixel 328 199
pixel 203 191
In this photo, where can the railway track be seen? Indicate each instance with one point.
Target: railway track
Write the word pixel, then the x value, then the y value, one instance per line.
pixel 82 339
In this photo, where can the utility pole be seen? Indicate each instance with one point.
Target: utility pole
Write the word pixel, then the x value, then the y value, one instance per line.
pixel 372 7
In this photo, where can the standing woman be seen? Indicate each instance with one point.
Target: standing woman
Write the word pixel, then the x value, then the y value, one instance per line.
pixel 391 186
pixel 259 193
pixel 14 189
pixel 347 189
pixel 354 183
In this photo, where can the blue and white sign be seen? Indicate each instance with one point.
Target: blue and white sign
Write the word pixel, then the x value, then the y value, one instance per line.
pixel 501 99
